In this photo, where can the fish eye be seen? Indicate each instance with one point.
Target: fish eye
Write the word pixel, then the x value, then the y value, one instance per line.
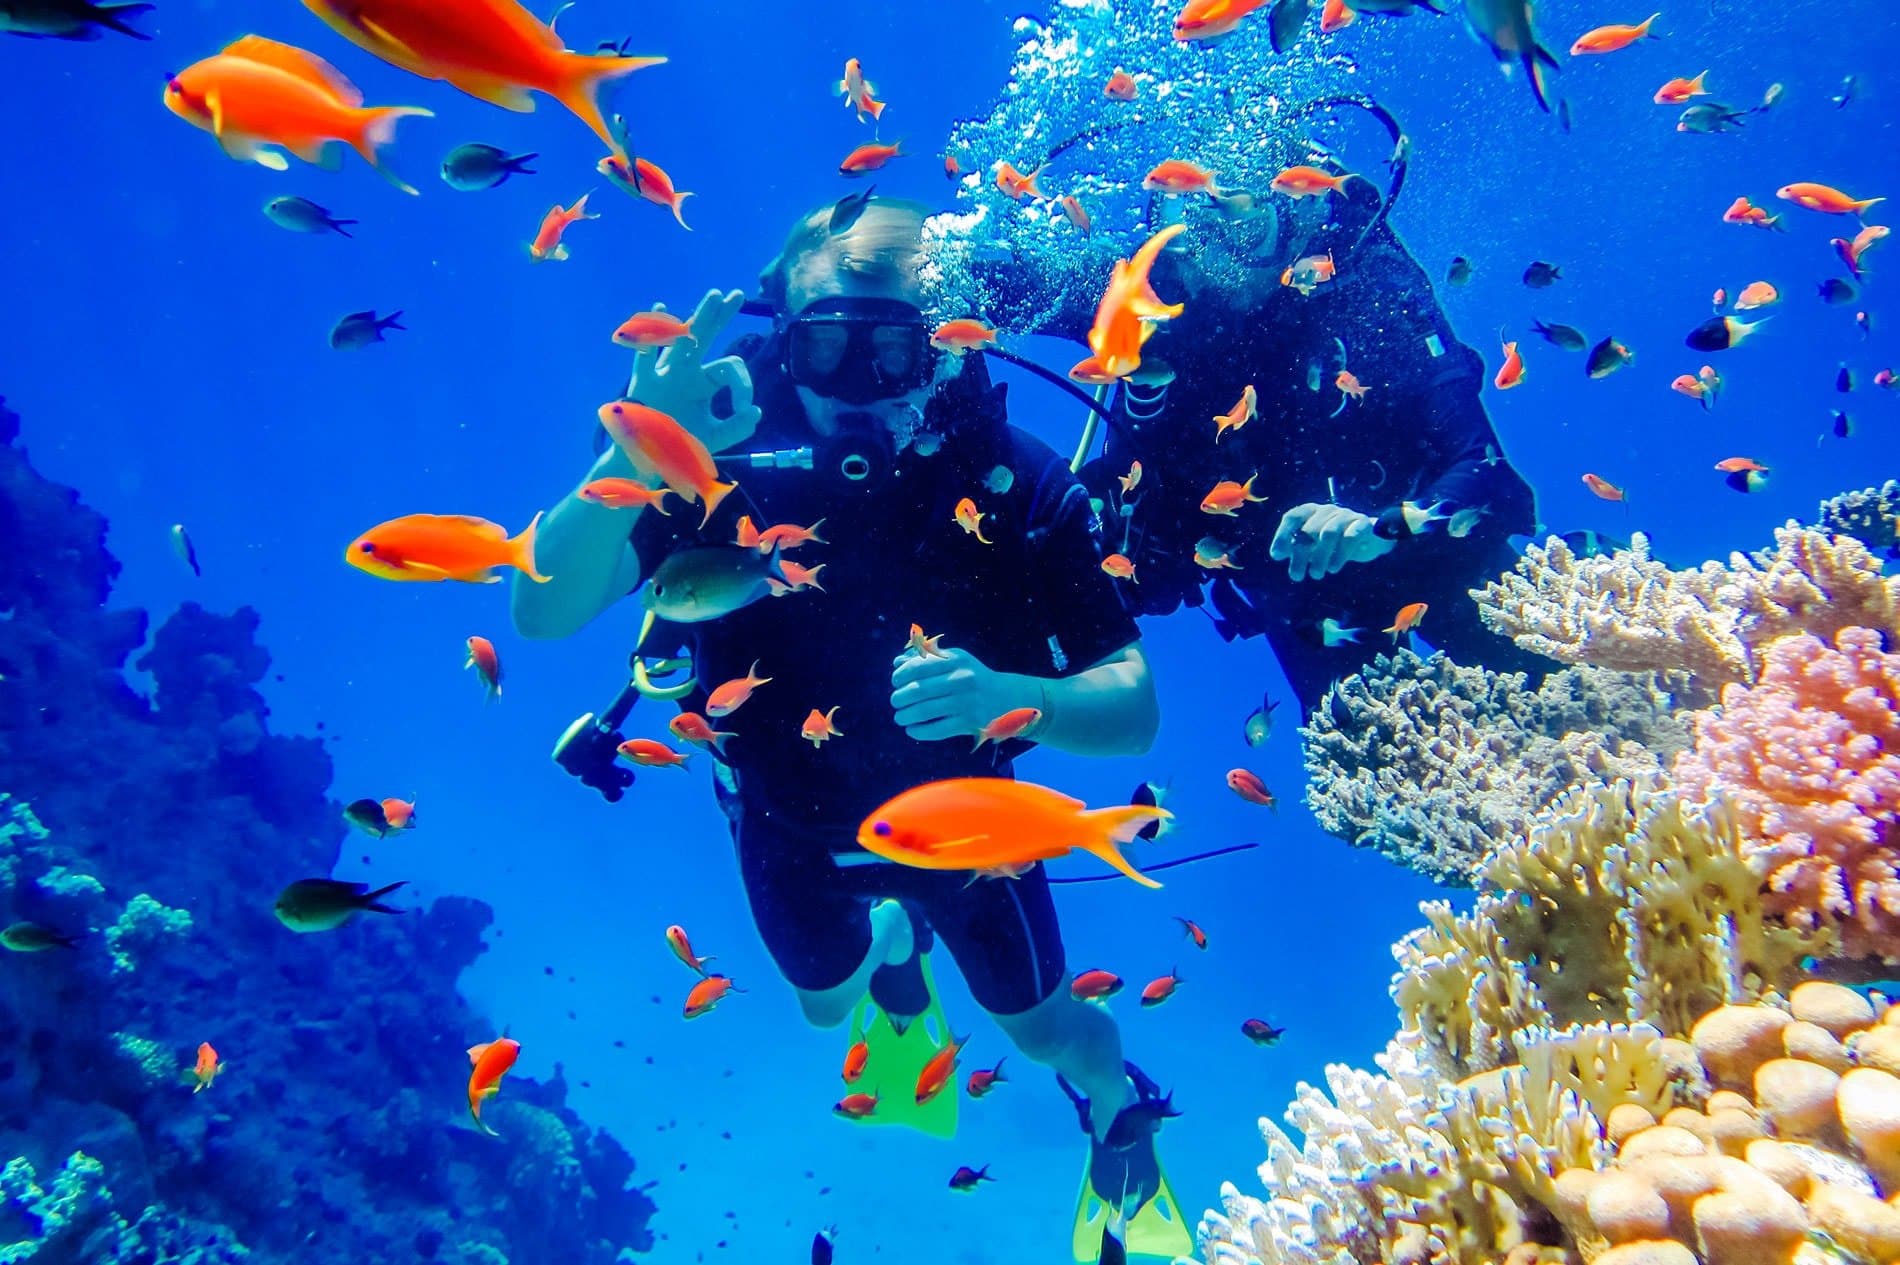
pixel 882 829
pixel 367 546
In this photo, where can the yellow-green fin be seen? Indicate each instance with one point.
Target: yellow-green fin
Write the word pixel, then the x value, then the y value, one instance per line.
pixel 897 1059
pixel 1157 1229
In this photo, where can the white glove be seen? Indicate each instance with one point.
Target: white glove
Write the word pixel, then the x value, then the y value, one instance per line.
pixel 953 695
pixel 675 381
pixel 1319 540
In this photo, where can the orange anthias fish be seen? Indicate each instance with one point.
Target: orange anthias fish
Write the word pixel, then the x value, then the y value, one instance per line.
pixel 731 696
pixel 547 243
pixel 1193 932
pixel 1211 19
pixel 962 335
pixel 1016 184
pixel 854 1060
pixel 983 1080
pixel 676 940
pixel 490 1063
pixel 1740 465
pixel 1013 723
pixel 1126 316
pixel 206 1069
pixel 856 1106
pixel 625 494
pixel 789 536
pixel 1310 182
pixel 652 329
pixel 952 169
pixel 983 823
pixel 1350 388
pixel 796 578
pixel 1603 488
pixel 648 181
pixel 483 657
pixel 1176 176
pixel 1247 784
pixel 1121 86
pixel 1511 372
pixel 1336 16
pixel 923 646
pixel 1095 985
pixel 653 755
pixel 1132 479
pixel 1688 384
pixel 1159 990
pixel 1742 211
pixel 1089 371
pixel 436 547
pixel 970 519
pixel 706 994
pixel 1119 566
pixel 1072 211
pixel 694 728
pixel 819 728
pixel 866 159
pixel 399 813
pixel 1757 294
pixel 260 97
pixel 1406 620
pixel 1676 91
pixel 1244 411
pixel 494 50
pixel 659 446
pixel 1228 496
pixel 1609 39
pixel 1820 197
pixel 941 1071
pixel 859 91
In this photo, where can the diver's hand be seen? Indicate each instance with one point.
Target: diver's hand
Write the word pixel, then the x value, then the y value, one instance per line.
pixel 955 695
pixel 678 383
pixel 1317 540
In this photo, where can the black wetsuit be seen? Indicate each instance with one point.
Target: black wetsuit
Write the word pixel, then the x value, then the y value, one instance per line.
pixel 1034 602
pixel 1420 434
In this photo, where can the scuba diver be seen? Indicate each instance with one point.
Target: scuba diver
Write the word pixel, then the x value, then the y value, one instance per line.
pixel 871 438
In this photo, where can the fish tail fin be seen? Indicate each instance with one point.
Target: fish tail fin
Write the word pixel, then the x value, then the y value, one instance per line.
pixel 1860 208
pixel 378 128
pixel 481 1125
pixel 1118 825
pixel 519 164
pixel 581 78
pixel 373 901
pixel 337 227
pixel 675 203
pixel 1644 27
pixel 521 551
pixel 715 493
pixel 394 319
pixel 113 16
pixel 1538 65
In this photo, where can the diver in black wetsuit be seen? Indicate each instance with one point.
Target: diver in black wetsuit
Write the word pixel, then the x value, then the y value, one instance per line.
pixel 894 435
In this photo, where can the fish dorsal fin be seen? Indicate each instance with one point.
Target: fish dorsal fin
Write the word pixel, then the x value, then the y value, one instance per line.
pixel 306 66
pixel 475 1052
pixel 476 523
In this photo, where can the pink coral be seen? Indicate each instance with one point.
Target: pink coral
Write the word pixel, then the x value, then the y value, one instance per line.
pixel 1810 756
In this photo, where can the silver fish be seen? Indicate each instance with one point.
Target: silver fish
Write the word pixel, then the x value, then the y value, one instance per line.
pixel 360 329
pixel 710 582
pixel 1259 726
pixel 1333 633
pixel 182 546
pixel 475 166
pixel 301 215
pixel 1710 118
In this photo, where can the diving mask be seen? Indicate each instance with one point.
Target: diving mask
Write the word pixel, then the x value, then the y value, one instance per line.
pixel 860 350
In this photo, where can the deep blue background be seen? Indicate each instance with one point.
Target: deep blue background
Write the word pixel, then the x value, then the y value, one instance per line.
pixel 166 345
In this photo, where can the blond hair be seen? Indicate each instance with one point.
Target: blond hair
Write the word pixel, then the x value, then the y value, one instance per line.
pixel 882 252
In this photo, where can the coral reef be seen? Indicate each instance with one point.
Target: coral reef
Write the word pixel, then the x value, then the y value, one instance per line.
pixel 1869 515
pixel 1628 611
pixel 1429 762
pixel 347 1048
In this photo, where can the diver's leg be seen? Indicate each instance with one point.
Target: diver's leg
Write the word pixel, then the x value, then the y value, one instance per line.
pixel 890 942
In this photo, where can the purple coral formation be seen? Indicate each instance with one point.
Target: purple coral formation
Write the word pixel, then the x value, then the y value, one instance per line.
pixel 335 1133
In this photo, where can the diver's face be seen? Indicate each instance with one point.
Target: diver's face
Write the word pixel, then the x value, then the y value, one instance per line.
pixel 855 344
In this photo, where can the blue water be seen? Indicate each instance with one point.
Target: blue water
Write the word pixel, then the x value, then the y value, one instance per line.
pixel 166 344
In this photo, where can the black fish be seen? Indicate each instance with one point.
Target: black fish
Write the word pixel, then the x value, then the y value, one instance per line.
pixel 1542 276
pixel 68 19
pixel 1285 21
pixel 1260 1032
pixel 1844 380
pixel 820 1249
pixel 1835 292
pixel 1843 425
pixel 1568 337
pixel 1607 357
pixel 1719 333
pixel 323 904
pixel 475 166
pixel 1460 271
pixel 845 212
pixel 360 329
pixel 1592 544
pixel 966 1178
pixel 1747 480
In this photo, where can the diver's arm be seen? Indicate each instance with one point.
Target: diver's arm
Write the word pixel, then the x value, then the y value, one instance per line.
pixel 1109 709
pixel 585 547
pixel 1466 468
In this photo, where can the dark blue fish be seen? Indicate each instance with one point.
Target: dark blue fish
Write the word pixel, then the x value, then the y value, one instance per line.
pixel 821 1248
pixel 846 211
pixel 360 329
pixel 68 19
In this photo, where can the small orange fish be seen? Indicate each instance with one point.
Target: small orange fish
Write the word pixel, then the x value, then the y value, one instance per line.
pixel 1177 176
pixel 1121 86
pixel 1349 386
pixel 868 158
pixel 1687 384
pixel 206 1069
pixel 983 1080
pixel 856 1106
pixel 1820 197
pixel 1211 19
pixel 399 813
pixel 1120 567
pixel 1740 465
pixel 488 1064
pixel 783 536
pixel 1132 479
pixel 970 519
pixel 659 446
pixel 625 494
pixel 487 665
pixel 1244 411
pixel 1676 91
pixel 694 728
pixel 940 1071
pixel 747 533
pixel 547 243
pixel 1156 991
pixel 1310 182
pixel 1247 784
pixel 653 755
pixel 926 647
pixel 1016 184
pixel 854 1060
pixel 1719 299
pixel 1611 38
pixel 868 107
pixel 1013 723
pixel 1756 294
pixel 436 547
pixel 653 329
pixel 797 578
pixel 1511 372
pixel 854 84
pixel 1406 620
pixel 1073 212
pixel 1227 497
pixel 952 169
pixel 1741 211
pixel 819 728
pixel 647 181
pixel 1089 371
pixel 1130 309
pixel 728 698
pixel 1603 488
pixel 962 335
pixel 1193 932
pixel 1095 985
pixel 1337 15
pixel 706 994
pixel 676 940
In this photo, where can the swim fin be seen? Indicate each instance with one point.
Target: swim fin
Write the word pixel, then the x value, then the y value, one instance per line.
pixel 896 1060
pixel 1156 1229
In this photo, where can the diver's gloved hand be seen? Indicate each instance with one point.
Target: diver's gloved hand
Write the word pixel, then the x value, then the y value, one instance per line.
pixel 953 695
pixel 1317 540
pixel 677 382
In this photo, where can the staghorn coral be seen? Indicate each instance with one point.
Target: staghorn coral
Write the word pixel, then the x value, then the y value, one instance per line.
pixel 143 929
pixel 78 1219
pixel 1869 515
pixel 1631 612
pixel 1429 762
pixel 1810 759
